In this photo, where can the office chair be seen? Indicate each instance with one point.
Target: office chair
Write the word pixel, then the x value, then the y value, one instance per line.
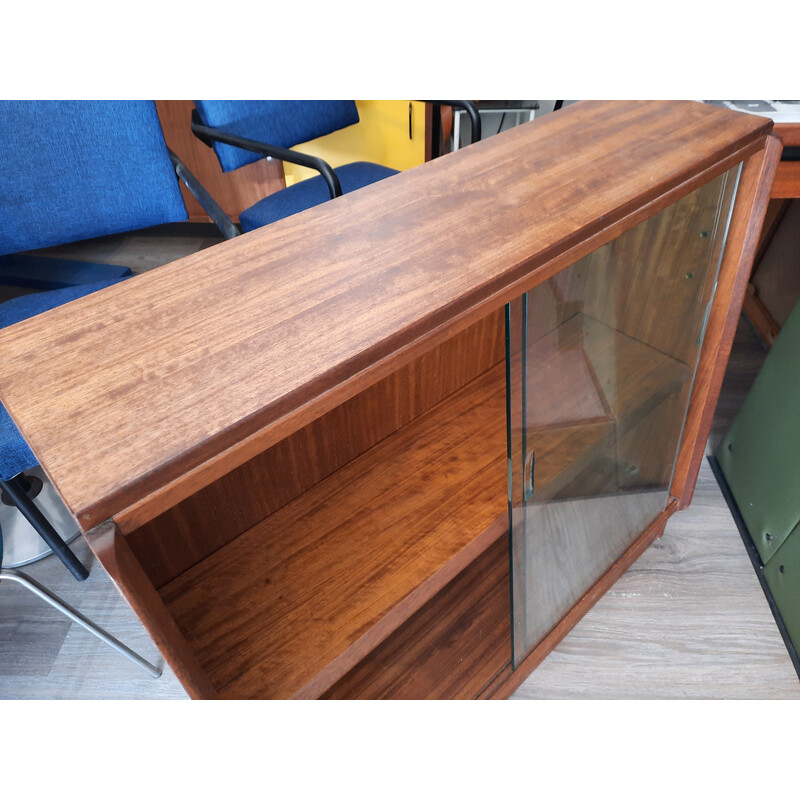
pixel 243 131
pixel 69 171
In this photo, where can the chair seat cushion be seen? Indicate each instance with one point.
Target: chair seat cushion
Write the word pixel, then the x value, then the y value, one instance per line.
pixel 311 192
pixel 15 455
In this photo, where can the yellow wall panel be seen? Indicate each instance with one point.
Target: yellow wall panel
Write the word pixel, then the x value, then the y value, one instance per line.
pixel 381 136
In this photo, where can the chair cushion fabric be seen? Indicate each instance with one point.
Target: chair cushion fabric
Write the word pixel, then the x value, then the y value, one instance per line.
pixel 15 455
pixel 78 169
pixel 311 192
pixel 282 123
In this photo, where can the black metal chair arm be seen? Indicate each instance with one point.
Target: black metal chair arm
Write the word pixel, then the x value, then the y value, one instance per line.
pixel 209 204
pixel 208 135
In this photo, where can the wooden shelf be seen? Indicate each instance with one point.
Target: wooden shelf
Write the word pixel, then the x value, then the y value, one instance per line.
pixel 290 606
pixel 423 660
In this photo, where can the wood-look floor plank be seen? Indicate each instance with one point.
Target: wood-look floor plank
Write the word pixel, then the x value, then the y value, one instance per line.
pixel 80 667
pixel 688 620
pixel 29 643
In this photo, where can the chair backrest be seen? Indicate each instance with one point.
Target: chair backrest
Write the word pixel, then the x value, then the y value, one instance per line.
pixel 78 169
pixel 283 123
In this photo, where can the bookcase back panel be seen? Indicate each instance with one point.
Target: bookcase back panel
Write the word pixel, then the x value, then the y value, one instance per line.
pixel 193 529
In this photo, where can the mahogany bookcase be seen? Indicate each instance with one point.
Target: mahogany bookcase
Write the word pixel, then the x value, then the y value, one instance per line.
pixel 396 445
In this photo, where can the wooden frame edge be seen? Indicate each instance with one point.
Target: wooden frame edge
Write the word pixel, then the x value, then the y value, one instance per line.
pixel 749 212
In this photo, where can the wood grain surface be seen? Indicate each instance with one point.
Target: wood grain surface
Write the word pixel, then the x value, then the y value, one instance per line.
pixel 451 649
pixel 687 620
pixel 787 178
pixel 151 389
pixel 776 277
pixel 336 570
pixel 668 263
pixel 635 380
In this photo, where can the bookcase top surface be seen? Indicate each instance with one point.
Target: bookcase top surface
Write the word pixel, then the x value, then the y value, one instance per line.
pixel 137 395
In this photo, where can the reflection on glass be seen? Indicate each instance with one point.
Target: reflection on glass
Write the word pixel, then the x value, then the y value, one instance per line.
pixel 600 364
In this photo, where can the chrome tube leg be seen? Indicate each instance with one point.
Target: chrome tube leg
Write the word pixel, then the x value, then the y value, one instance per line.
pixel 76 616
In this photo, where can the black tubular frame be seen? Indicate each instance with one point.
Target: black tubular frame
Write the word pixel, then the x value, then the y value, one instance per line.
pixel 469 107
pixel 17 492
pixel 208 135
pixel 209 204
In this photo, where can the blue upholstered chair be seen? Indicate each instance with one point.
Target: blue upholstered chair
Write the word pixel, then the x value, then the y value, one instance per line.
pixel 243 131
pixel 69 171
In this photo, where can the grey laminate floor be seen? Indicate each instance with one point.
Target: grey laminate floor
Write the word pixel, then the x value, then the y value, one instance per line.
pixel 688 620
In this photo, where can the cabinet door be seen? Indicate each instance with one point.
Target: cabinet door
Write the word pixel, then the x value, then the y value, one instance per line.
pixel 600 364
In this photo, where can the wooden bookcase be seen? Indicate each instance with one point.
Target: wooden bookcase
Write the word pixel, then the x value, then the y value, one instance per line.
pixel 291 451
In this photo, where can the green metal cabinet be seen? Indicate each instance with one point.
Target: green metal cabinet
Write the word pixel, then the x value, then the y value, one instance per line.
pixel 760 461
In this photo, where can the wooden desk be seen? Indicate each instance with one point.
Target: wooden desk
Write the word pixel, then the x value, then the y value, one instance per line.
pixel 288 450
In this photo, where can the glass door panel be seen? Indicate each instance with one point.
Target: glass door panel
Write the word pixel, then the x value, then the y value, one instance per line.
pixel 600 363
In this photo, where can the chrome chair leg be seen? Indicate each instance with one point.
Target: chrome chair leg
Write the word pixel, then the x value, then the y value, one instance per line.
pixel 14 489
pixel 76 616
